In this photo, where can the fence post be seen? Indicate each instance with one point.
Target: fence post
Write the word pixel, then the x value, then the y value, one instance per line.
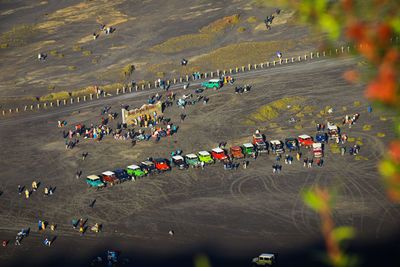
pixel 243 68
pixel 91 96
pixel 286 60
pixel 267 63
pixel 323 53
pixel 44 105
pixel 317 54
pixel 274 62
pixel 123 90
pixel 51 104
pixel 65 102
pixel 305 57
pixel 262 65
pixel 249 66
pixel 10 110
pixel 212 74
pixel 142 86
pixel 17 110
pixel 149 85
pixel 25 108
pixel 31 107
pixel 3 112
pixel 205 75
pixel 342 49
pixel 38 106
pixel 255 66
pixel 311 55
pixel 77 99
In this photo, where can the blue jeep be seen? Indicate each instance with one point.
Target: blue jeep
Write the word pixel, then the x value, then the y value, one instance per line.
pixel 321 137
pixel 291 144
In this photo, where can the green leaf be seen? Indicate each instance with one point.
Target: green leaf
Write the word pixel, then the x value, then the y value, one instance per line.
pixel 395 23
pixel 201 260
pixel 312 200
pixel 329 25
pixel 387 168
pixel 343 232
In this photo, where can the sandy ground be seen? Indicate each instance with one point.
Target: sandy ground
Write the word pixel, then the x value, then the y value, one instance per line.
pixel 231 216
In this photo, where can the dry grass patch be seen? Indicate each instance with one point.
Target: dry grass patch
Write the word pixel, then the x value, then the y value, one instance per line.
pixel 383 118
pixel 94 60
pixel 71 67
pixel 53 53
pixel 351 139
pixel 17 36
pixel 359 143
pixel 117 74
pixel 61 55
pixel 273 124
pixel 298 126
pixel 252 19
pixel 76 48
pixel 367 127
pixel 381 134
pixel 357 103
pixel 284 102
pixel 87 53
pixel 344 108
pixel 183 42
pixel 241 29
pixel 221 24
pixel 295 108
pixel 335 150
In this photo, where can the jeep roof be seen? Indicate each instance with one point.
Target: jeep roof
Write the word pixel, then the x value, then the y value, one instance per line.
pixel 214 81
pixel 108 173
pixel 332 128
pixel 160 160
pixel 247 145
pixel 260 143
pixel 257 136
pixel 191 156
pixel 204 153
pixel 217 150
pixel 93 177
pixel 317 145
pixel 148 163
pixel 177 157
pixel 304 136
pixel 275 142
pixel 133 167
pixel 267 255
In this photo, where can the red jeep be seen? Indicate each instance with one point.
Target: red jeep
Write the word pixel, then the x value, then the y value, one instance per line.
pixel 161 164
pixel 109 178
pixel 218 154
pixel 257 138
pixel 305 140
pixel 236 152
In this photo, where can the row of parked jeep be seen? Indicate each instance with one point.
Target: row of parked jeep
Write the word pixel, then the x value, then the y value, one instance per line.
pixel 258 146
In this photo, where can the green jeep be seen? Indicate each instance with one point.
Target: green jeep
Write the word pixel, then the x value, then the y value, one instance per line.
pixel 205 157
pixel 192 160
pixel 135 171
pixel 248 149
pixel 213 83
pixel 264 259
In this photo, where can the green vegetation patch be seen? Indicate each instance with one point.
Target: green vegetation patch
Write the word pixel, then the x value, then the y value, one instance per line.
pixel 87 53
pixel 335 150
pixel 297 126
pixel 282 104
pixel 351 139
pixel 76 48
pixel 356 103
pixel 381 134
pixel 383 118
pixel 252 19
pixel 71 67
pixel 241 29
pixel 17 36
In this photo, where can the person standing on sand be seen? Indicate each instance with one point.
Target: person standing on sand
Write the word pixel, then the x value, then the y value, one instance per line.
pixel 34 186
pixel 27 193
pixel 40 225
pixel 74 223
pixel 81 231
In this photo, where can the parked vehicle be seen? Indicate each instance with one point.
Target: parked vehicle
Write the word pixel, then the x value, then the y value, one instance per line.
pixel 161 164
pixel 179 162
pixel 122 175
pixel 236 152
pixel 257 138
pixel 135 171
pixel 205 157
pixel 95 181
pixel 318 150
pixel 213 83
pixel 192 160
pixel 261 147
pixel 248 149
pixel 148 166
pixel 305 140
pixel 277 146
pixel 333 131
pixel 291 143
pixel 321 137
pixel 264 259
pixel 109 177
pixel 218 154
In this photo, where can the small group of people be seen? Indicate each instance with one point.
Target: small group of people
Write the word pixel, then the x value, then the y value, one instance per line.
pixel 242 89
pixel 196 76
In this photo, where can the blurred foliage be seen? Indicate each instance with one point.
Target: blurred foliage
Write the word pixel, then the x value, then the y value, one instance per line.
pixel 201 260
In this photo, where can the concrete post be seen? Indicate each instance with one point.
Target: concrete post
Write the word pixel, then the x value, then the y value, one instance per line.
pixel 3 112
pixel 305 57
pixel 262 65
pixel 217 72
pixel 91 96
pixel 337 51
pixel 342 49
pixel 104 94
pixel 236 70
pixel 65 102
pixel 187 78
pixel 72 101
pixel 180 79
pixel 255 66
pixel 299 59
pixel 149 85
pixel 136 87
pixel 174 81
pixel 224 72
pixel 212 74
pixel 168 82
pixel 44 105
pixel 51 104
pixel 58 103
pixel 230 71
pixel 267 63
pixel 205 75
pixel 323 53
pixel 280 61
pixel 142 87
pixel 130 89
pixel 317 54
pixel 38 106
pixel 77 99
pixel 155 84
pixel 10 110
pixel 243 68
pixel 274 62
pixel 25 108
pixel 348 49
pixel 17 110
pixel 123 90
pixel 84 98
pixel 31 107
pixel 311 55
